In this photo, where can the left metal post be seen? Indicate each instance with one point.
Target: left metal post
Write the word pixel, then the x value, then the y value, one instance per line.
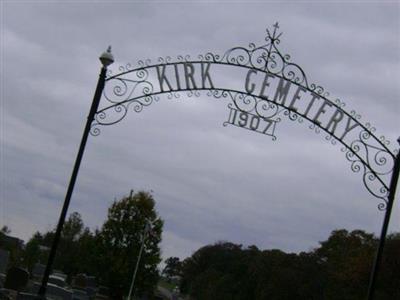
pixel 106 59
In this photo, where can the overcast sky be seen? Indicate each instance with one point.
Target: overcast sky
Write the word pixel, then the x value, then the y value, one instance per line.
pixel 210 182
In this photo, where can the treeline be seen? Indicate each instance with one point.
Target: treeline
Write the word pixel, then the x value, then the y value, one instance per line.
pixel 109 253
pixel 338 269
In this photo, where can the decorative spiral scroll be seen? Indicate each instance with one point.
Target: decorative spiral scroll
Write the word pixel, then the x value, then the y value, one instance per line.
pixel 376 157
pixel 132 88
pixel 374 161
pixel 266 109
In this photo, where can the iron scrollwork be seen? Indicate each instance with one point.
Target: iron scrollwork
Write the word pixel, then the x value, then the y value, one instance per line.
pixel 136 87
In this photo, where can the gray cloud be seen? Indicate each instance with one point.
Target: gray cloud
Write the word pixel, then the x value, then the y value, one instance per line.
pixel 210 182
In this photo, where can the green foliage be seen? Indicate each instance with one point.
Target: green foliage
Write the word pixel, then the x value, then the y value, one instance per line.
pixel 172 267
pixel 338 269
pixel 347 259
pixel 120 241
pixel 33 253
pixel 73 227
pixel 5 230
pixel 389 278
pixel 110 253
pixel 74 253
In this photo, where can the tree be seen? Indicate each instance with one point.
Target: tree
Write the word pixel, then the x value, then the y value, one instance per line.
pixel 218 271
pixel 172 267
pixel 70 257
pixel 120 241
pixel 338 269
pixel 73 227
pixel 32 253
pixel 75 251
pixel 87 252
pixel 5 230
pixel 347 260
pixel 389 274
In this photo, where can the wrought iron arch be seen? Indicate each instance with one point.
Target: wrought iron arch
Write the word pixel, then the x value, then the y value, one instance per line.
pixel 135 85
pixel 139 87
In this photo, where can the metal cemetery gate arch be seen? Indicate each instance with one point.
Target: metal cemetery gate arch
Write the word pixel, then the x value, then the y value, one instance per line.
pixel 272 88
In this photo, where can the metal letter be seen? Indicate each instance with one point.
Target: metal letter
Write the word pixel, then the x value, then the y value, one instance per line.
pixel 296 97
pixel 205 75
pixel 336 118
pixel 314 97
pixel 243 119
pixel 348 128
pixel 321 111
pixel 162 77
pixel 189 72
pixel 265 84
pixel 234 115
pixel 282 91
pixel 254 125
pixel 178 82
pixel 252 86
pixel 269 123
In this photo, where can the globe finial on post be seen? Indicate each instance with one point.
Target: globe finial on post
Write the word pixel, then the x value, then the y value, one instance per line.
pixel 106 57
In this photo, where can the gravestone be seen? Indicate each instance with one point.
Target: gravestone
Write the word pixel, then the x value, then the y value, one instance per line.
pixel 57 280
pixel 53 291
pixel 86 283
pixel 57 292
pixel 59 273
pixel 6 294
pixel 26 296
pixel 38 271
pixel 102 293
pixel 4 255
pixel 91 286
pixel 79 281
pixel 16 279
pixel 80 295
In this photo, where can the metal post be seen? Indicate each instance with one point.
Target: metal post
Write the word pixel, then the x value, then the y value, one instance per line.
pixel 378 257
pixel 138 261
pixel 106 59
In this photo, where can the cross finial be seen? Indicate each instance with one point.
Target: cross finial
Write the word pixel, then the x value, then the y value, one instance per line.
pixel 276 27
pixel 273 36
